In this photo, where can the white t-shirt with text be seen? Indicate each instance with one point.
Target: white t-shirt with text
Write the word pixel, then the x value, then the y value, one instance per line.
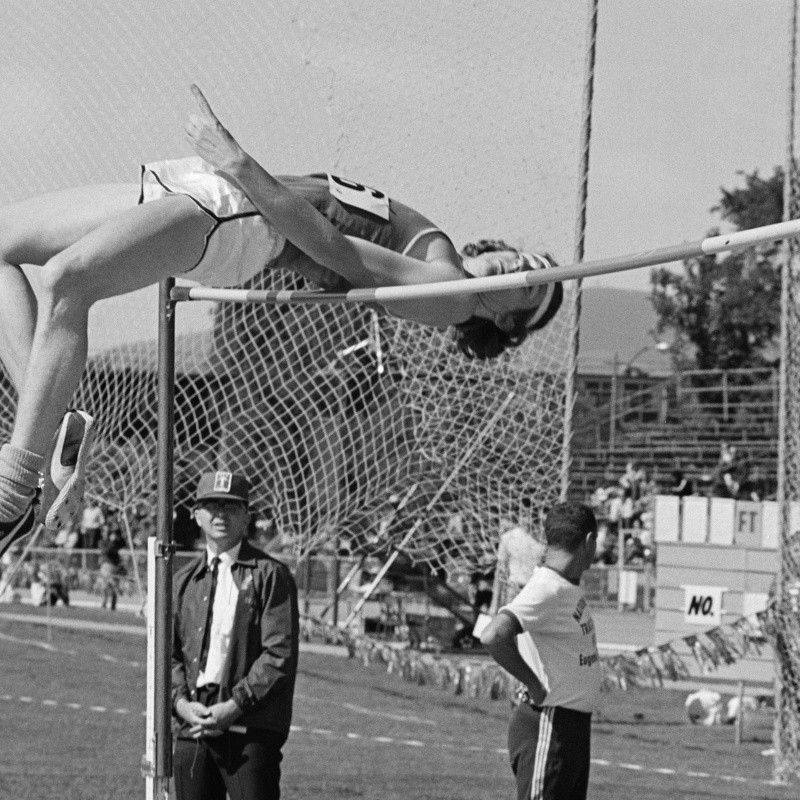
pixel 558 641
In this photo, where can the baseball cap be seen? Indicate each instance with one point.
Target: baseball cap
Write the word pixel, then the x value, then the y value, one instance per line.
pixel 223 485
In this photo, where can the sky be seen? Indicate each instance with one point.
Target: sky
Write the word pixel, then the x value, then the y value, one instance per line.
pixel 687 93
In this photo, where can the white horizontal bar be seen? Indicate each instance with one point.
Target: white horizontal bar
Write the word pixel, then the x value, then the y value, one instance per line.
pixel 742 239
pixel 586 269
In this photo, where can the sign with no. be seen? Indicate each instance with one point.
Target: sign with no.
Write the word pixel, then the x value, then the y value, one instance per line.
pixel 702 605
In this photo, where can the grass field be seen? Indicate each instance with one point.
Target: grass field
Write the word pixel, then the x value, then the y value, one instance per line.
pixel 73 728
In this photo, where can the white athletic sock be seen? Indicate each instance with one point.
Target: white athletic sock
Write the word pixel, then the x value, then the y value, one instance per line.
pixel 19 478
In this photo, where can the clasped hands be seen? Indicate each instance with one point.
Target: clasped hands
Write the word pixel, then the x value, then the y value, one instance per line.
pixel 207 721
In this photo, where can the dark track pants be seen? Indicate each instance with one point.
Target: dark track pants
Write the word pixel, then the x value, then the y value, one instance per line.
pixel 246 766
pixel 549 750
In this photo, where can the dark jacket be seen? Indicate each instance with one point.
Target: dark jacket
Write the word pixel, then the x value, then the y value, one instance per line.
pixel 260 671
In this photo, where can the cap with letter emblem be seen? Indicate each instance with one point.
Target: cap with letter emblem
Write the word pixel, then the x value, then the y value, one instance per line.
pixel 223 485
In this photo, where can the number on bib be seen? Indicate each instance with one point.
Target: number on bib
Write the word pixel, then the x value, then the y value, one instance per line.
pixel 359 196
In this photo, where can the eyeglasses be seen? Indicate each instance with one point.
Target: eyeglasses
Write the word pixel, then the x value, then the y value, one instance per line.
pixel 221 505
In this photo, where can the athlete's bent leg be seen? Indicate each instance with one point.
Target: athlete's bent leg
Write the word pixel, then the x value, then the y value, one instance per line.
pixel 133 249
pixel 32 231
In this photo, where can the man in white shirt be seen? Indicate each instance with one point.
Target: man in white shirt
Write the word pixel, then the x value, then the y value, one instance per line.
pixel 92 521
pixel 520 552
pixel 545 638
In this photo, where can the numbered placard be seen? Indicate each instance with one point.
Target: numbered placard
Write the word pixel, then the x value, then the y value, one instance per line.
pixel 359 196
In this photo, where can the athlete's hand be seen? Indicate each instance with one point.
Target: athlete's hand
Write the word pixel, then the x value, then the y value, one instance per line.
pixel 210 139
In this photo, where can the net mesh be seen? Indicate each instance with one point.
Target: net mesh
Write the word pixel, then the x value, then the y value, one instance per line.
pixel 469 112
pixel 786 608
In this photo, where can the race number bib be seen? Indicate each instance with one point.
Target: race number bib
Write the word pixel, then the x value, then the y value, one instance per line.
pixel 359 196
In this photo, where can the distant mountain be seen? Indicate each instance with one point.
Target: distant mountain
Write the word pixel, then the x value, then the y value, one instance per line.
pixel 618 321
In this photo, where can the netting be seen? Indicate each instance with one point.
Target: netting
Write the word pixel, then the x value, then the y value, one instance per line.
pixel 786 608
pixel 470 112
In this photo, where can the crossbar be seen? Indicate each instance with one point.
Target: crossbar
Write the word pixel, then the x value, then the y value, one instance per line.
pixel 739 240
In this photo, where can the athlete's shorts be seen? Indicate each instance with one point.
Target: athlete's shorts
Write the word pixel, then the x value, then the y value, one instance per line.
pixel 239 244
pixel 550 754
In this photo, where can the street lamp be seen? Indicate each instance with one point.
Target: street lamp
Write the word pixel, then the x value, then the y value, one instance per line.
pixel 662 347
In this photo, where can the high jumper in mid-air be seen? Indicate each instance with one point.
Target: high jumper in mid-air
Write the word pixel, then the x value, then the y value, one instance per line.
pixel 218 218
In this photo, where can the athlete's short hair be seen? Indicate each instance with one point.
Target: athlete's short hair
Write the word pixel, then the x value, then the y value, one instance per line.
pixel 480 338
pixel 568 524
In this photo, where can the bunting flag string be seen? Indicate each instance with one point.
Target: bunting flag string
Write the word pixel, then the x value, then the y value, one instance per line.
pixel 477 676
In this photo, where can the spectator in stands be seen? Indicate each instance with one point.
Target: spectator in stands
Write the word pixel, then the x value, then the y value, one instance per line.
pixel 142 524
pixel 645 508
pixel 681 486
pixel 630 483
pixel 51 585
pixel 756 485
pixel 729 473
pixel 111 569
pixel 68 536
pixel 481 592
pixel 605 552
pixel 92 521
pixel 264 533
pixel 614 513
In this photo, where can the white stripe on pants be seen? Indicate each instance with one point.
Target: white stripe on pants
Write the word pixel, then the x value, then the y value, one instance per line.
pixel 542 746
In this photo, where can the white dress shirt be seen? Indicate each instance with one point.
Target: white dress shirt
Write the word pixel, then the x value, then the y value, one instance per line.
pixel 222 615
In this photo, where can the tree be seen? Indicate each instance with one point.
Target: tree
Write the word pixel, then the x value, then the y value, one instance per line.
pixel 724 312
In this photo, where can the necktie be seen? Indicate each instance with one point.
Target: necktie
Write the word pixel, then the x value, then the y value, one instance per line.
pixel 207 633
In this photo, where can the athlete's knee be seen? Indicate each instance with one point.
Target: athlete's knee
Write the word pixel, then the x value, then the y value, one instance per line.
pixel 65 283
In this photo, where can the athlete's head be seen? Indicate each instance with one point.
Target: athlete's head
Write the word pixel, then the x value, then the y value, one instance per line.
pixel 504 319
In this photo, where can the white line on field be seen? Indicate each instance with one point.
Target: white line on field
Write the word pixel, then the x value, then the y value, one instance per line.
pixel 395 717
pixel 65 652
pixel 329 734
pixel 368 711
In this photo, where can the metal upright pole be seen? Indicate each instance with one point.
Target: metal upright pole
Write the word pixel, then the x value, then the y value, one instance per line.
pixel 612 409
pixel 158 758
pixel 786 448
pixel 579 245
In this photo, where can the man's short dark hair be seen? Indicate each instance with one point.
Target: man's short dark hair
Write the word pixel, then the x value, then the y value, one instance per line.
pixel 568 524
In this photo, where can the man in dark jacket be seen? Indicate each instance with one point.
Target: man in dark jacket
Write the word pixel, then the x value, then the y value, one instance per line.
pixel 234 657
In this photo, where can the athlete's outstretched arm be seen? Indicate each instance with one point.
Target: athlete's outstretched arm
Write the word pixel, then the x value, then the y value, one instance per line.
pixel 361 263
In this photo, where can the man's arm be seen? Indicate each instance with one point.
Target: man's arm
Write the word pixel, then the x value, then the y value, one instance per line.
pixel 500 639
pixel 180 686
pixel 280 635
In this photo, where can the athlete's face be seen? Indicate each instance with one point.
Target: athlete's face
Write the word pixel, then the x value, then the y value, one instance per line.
pixel 501 306
pixel 500 262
